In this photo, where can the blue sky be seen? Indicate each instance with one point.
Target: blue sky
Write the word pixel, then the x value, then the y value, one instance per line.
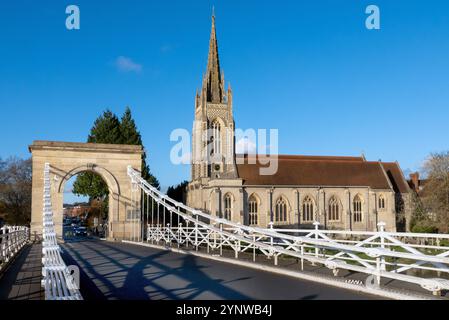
pixel 308 68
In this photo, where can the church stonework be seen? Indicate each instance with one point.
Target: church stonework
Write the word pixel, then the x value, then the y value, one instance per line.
pixel 213 129
pixel 348 193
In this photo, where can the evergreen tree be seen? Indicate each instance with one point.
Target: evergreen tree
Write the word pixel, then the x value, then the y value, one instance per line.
pixel 106 129
pixel 178 192
pixel 110 130
pixel 128 129
pixel 130 135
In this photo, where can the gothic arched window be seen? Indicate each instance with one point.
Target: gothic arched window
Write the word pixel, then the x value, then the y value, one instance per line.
pixel 357 205
pixel 381 202
pixel 281 210
pixel 228 207
pixel 307 210
pixel 334 209
pixel 253 207
pixel 216 137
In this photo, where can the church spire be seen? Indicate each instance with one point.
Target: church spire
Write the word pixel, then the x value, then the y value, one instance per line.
pixel 213 78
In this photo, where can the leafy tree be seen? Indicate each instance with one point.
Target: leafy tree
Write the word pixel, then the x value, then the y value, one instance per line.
pixel 91 185
pixel 178 192
pixel 15 190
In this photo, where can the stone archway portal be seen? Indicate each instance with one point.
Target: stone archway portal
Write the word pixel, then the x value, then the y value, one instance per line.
pixel 66 159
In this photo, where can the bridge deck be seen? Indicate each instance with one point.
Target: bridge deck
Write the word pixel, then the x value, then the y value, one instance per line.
pixel 125 271
pixel 22 279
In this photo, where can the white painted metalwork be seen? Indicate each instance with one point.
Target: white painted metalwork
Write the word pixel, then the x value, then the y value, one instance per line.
pixel 421 259
pixel 12 239
pixel 57 280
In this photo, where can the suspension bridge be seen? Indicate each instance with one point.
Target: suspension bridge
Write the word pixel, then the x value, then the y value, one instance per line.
pixel 168 250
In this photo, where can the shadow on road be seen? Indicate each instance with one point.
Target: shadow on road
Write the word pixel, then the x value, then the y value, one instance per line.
pixel 109 271
pixel 21 280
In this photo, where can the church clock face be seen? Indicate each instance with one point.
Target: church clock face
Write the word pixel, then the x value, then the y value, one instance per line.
pixel 217 167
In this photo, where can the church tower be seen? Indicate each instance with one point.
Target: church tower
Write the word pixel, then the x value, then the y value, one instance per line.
pixel 213 153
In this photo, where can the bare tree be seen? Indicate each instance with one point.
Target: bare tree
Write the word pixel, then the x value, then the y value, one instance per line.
pixel 15 190
pixel 435 194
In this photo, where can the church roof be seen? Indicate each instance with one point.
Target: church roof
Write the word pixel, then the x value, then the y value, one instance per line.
pixel 324 171
pixel 396 176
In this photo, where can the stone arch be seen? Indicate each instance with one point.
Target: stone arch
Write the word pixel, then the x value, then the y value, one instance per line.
pixel 217 128
pixel 334 208
pixel 382 202
pixel 357 208
pixel 107 176
pixel 110 180
pixel 310 196
pixel 67 159
pixel 360 197
pixel 308 208
pixel 279 209
pixel 228 205
pixel 254 205
pixel 258 198
pixel 219 120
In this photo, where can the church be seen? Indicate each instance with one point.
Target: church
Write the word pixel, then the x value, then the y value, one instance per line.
pixel 339 192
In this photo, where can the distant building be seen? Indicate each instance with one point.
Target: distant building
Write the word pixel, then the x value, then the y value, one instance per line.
pixel 92 213
pixel 76 211
pixel 415 183
pixel 339 192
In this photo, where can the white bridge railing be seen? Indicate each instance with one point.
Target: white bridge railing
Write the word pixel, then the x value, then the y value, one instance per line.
pixel 57 280
pixel 12 239
pixel 421 259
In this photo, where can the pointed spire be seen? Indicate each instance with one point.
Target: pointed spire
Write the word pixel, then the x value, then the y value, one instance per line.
pixel 213 73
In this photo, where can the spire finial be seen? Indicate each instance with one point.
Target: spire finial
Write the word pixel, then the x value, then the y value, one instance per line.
pixel 213 11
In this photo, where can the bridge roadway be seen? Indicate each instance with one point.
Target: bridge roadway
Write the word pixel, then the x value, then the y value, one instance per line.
pixel 130 272
pixel 21 279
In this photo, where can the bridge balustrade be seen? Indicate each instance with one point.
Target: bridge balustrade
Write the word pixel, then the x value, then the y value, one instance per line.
pixel 57 280
pixel 12 239
pixel 417 258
